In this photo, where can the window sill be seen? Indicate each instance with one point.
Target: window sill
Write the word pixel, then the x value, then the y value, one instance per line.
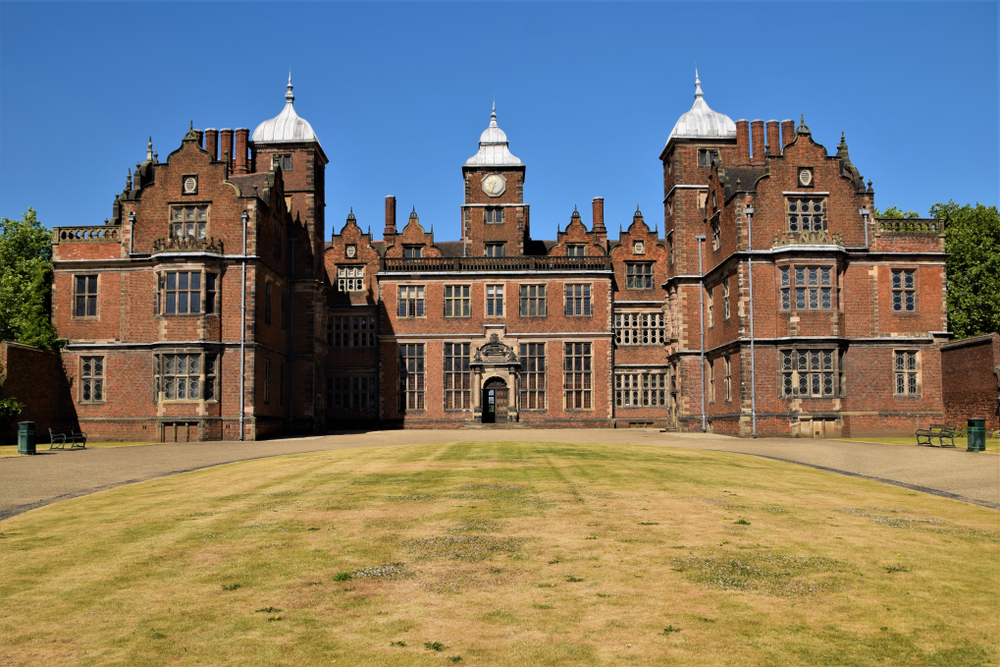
pixel 91 402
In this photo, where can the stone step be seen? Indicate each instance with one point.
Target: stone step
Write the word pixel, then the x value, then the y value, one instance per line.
pixel 508 425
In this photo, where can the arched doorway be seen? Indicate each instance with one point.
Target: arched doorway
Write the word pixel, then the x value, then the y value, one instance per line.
pixel 495 401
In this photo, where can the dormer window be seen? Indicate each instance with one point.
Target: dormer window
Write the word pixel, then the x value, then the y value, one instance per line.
pixel 189 222
pixel 576 250
pixel 413 251
pixel 494 249
pixel 494 215
pixel 283 161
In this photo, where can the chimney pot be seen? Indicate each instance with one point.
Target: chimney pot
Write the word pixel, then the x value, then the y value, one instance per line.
pixel 240 162
pixel 212 142
pixel 743 142
pixel 390 218
pixel 598 208
pixel 757 132
pixel 226 146
pixel 787 132
pixel 773 137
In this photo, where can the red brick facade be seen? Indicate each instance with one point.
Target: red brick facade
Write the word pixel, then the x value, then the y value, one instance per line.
pixel 294 333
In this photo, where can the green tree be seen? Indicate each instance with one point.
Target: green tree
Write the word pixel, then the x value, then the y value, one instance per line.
pixel 972 237
pixel 26 282
pixel 895 212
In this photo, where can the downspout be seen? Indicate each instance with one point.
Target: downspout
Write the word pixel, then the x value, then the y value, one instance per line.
pixel 864 214
pixel 701 311
pixel 243 328
pixel 291 331
pixel 131 231
pixel 748 211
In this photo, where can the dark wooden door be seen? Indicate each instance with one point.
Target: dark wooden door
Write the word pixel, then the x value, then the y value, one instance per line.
pixel 502 404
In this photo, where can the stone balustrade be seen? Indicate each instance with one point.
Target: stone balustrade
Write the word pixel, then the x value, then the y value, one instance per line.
pixel 87 234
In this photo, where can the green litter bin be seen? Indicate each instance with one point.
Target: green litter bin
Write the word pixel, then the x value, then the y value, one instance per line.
pixel 977 435
pixel 25 437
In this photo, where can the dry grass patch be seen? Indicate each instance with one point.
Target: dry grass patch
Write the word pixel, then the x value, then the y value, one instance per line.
pixel 502 554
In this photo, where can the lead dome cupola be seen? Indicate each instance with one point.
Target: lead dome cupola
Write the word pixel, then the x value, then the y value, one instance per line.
pixel 493 147
pixel 701 122
pixel 287 126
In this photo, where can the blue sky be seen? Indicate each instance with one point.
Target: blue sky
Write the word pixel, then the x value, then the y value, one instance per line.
pixel 399 93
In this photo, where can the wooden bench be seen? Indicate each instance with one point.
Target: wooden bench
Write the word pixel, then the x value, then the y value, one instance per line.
pixel 59 438
pixel 939 431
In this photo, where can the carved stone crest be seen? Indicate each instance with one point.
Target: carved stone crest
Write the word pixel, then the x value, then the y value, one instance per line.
pixel 495 352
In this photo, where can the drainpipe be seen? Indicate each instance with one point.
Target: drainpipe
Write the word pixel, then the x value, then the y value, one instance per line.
pixel 291 331
pixel 131 231
pixel 701 311
pixel 243 327
pixel 748 211
pixel 864 214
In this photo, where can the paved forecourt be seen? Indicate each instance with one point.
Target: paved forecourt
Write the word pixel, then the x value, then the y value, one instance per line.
pixel 27 482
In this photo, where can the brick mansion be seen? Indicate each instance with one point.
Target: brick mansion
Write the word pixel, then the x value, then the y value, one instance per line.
pixel 215 304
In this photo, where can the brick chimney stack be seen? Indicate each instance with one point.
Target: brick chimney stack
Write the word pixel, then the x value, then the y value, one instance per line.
pixel 787 132
pixel 757 132
pixel 773 137
pixel 599 229
pixel 212 142
pixel 742 142
pixel 226 147
pixel 390 220
pixel 240 161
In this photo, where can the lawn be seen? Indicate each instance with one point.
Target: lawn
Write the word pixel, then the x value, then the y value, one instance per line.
pixel 502 554
pixel 992 444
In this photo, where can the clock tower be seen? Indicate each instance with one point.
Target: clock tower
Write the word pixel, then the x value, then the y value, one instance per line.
pixel 495 220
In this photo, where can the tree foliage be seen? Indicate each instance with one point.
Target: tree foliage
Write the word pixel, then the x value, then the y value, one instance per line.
pixel 972 237
pixel 26 282
pixel 895 212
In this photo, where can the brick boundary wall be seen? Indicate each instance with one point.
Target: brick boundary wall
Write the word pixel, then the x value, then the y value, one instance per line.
pixel 36 379
pixel 971 380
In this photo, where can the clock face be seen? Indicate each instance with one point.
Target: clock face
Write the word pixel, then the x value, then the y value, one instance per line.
pixel 805 176
pixel 352 251
pixel 494 185
pixel 190 185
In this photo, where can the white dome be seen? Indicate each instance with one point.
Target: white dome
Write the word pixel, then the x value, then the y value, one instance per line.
pixel 701 122
pixel 493 151
pixel 287 126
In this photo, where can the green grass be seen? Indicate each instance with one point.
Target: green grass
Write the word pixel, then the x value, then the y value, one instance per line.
pixel 992 444
pixel 502 554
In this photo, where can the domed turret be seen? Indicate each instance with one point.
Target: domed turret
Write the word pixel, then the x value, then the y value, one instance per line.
pixel 287 126
pixel 493 150
pixel 701 122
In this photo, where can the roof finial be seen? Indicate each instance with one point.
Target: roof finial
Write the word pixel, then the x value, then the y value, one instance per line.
pixel 697 84
pixel 149 148
pixel 128 180
pixel 493 114
pixel 290 96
